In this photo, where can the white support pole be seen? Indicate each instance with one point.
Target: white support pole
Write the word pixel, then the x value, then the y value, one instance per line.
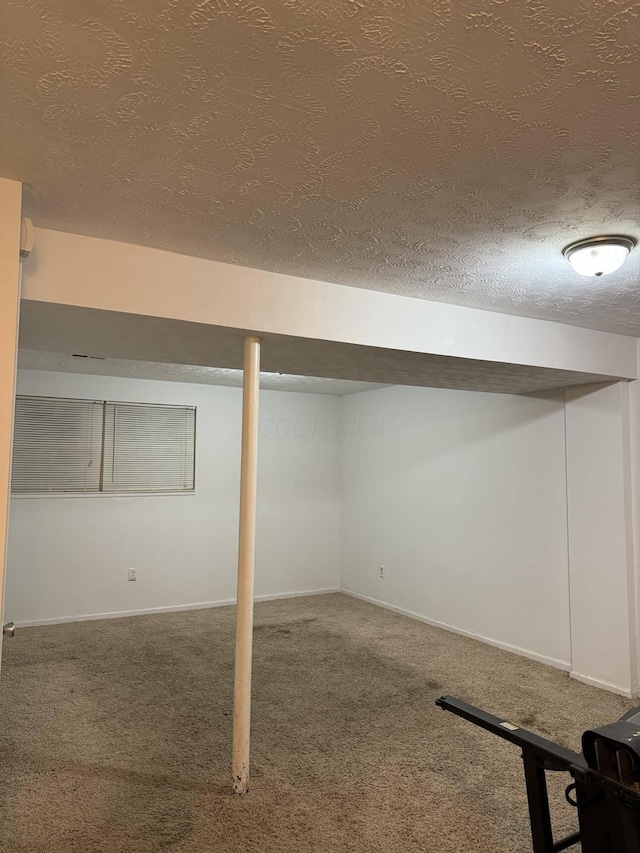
pixel 246 563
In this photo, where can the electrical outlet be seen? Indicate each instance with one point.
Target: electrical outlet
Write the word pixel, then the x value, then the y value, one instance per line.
pixel 381 571
pixel 133 574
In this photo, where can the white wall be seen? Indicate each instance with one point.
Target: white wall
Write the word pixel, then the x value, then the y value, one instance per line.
pixel 461 497
pixel 68 556
pixel 10 217
pixel 510 519
pixel 634 431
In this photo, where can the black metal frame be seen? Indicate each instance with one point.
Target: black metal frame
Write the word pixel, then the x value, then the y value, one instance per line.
pixel 598 800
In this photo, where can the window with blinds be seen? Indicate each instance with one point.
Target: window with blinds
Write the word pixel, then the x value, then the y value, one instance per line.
pixel 148 448
pixel 101 446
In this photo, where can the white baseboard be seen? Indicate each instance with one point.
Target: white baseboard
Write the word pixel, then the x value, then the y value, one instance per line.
pixel 508 647
pixel 172 608
pixel 605 685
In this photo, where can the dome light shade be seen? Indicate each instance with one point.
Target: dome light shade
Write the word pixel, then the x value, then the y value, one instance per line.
pixel 598 255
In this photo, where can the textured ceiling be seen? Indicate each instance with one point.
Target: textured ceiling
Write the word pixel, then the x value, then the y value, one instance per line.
pixel 446 149
pixel 66 363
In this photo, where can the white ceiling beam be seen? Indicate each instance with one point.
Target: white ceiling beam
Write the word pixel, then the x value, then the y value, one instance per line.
pixel 74 270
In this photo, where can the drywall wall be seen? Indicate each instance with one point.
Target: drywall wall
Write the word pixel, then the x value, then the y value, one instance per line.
pixel 600 515
pixel 484 522
pixel 68 556
pixel 10 218
pixel 634 437
pixel 461 497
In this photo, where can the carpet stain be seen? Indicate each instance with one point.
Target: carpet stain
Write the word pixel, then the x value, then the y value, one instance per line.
pixel 116 735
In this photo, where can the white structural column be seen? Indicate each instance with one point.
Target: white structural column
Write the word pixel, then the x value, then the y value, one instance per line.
pixel 246 564
pixel 600 514
pixel 10 219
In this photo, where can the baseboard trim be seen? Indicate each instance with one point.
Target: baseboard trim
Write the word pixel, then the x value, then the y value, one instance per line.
pixel 605 685
pixel 507 647
pixel 172 608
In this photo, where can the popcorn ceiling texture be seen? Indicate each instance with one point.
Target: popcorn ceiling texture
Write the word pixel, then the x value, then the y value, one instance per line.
pixel 445 150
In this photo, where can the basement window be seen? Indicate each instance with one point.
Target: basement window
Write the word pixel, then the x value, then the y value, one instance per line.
pixel 99 446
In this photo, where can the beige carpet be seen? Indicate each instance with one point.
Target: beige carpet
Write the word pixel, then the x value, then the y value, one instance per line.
pixel 115 735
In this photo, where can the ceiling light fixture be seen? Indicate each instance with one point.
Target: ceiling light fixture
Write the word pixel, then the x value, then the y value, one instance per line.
pixel 598 255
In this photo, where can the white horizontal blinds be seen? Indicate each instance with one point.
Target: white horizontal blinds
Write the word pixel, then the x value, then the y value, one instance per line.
pixel 148 448
pixel 56 445
pixel 90 446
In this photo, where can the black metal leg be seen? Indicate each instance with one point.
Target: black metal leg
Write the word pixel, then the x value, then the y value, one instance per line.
pixel 541 832
pixel 592 814
pixel 567 842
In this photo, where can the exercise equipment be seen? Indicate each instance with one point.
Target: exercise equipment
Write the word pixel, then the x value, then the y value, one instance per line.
pixel 606 780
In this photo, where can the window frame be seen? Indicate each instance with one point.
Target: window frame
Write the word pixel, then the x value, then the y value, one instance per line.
pixel 100 492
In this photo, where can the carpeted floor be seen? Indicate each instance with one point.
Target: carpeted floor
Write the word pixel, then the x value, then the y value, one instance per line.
pixel 115 735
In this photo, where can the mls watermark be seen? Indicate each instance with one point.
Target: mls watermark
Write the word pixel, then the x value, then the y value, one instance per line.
pixel 321 427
